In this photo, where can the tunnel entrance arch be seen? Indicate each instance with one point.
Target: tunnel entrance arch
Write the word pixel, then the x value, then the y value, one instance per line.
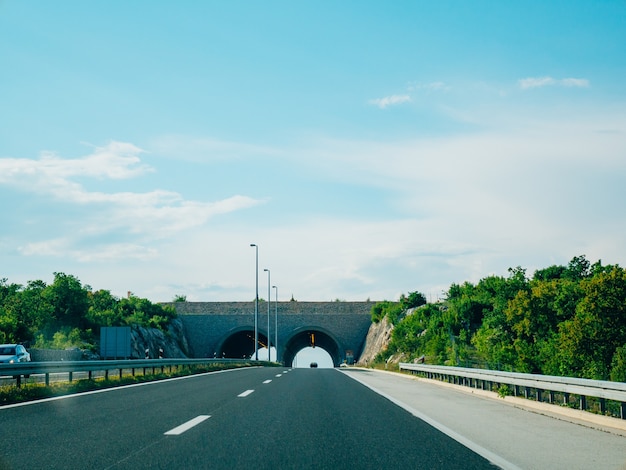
pixel 312 337
pixel 208 327
pixel 239 344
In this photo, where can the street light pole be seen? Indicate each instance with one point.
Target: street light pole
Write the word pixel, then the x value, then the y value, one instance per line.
pixel 256 306
pixel 269 355
pixel 276 322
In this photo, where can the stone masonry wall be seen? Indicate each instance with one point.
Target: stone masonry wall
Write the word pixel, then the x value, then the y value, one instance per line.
pixel 208 324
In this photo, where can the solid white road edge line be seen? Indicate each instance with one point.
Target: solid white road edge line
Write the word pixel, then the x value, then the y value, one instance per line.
pixel 122 387
pixel 480 450
pixel 186 426
pixel 245 394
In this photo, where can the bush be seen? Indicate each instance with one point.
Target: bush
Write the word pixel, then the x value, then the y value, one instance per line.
pixel 618 365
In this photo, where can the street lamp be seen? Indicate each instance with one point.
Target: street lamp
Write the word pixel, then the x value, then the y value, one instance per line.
pixel 276 322
pixel 269 356
pixel 256 306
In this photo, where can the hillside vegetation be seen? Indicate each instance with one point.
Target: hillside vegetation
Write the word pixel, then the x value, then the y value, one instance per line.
pixel 565 320
pixel 68 314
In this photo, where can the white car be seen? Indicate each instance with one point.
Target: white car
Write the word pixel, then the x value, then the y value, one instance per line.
pixel 12 353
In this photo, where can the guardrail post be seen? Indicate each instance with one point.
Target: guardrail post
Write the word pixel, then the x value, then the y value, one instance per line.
pixel 583 402
pixel 602 406
pixel 18 381
pixel 47 379
pixel 551 396
pixel 71 376
pixel 566 399
pixel 538 395
pixel 120 374
pixel 622 410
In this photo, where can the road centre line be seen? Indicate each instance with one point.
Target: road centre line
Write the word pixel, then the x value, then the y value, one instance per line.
pixel 245 394
pixel 187 426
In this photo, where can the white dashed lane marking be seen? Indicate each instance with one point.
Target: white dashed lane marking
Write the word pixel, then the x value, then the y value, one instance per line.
pixel 245 394
pixel 186 426
pixel 267 381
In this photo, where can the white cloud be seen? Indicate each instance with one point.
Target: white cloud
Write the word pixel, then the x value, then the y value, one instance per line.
pixel 575 82
pixel 431 86
pixel 63 247
pixel 159 215
pixel 152 214
pixel 539 82
pixel 117 160
pixel 534 188
pixel 392 100
pixel 522 190
pixel 51 174
pixel 205 149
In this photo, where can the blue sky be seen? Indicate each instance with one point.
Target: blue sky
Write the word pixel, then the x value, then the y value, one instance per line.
pixel 369 148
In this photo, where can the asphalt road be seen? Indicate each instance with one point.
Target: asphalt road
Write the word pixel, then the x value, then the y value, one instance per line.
pixel 264 418
pixel 514 433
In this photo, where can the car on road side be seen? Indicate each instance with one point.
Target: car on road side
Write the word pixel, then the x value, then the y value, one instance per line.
pixel 12 353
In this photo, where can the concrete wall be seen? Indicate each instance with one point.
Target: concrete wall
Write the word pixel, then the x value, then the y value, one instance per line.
pixel 41 355
pixel 208 324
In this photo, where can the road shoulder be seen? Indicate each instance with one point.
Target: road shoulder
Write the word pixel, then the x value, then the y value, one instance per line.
pixel 504 427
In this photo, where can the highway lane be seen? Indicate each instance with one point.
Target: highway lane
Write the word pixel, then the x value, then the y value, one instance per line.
pixel 261 418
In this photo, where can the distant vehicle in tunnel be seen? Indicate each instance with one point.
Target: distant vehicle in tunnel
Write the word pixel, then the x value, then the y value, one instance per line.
pixel 313 365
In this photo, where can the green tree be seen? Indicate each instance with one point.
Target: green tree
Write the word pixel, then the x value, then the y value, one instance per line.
pixel 494 340
pixel 618 365
pixel 550 273
pixel 578 268
pixel 104 309
pixel 413 300
pixel 69 299
pixel 586 344
pixel 392 310
pixel 534 316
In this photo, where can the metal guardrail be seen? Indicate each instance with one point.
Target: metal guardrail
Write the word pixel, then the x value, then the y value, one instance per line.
pixel 485 379
pixel 20 369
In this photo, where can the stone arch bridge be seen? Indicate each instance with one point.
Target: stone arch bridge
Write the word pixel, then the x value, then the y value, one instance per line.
pixel 227 328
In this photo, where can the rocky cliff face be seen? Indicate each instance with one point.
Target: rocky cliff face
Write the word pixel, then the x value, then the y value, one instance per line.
pixel 173 342
pixel 376 341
